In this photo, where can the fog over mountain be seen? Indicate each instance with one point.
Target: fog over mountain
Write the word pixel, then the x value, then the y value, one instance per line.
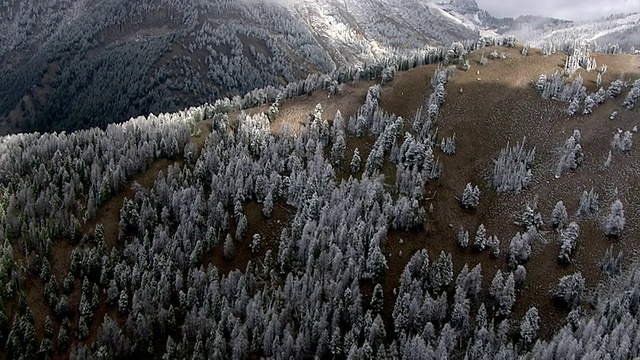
pixel 568 9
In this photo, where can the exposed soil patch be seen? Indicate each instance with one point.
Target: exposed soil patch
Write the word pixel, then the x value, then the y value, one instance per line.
pixel 295 112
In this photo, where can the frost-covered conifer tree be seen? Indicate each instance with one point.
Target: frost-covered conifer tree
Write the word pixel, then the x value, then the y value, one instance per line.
pixel 441 273
pixel 449 145
pixel 377 299
pixel 622 141
pixel 480 241
pixel 256 240
pixel 520 275
pixel 376 263
pixel 531 217
pixel 633 95
pixel 354 165
pixel 615 221
pixel 569 289
pixel 615 88
pixel 506 297
pixel 519 249
pixel 568 239
pixel 588 203
pixel 242 227
pixel 559 216
pixel 589 104
pixel 339 140
pixel 529 326
pixel 267 205
pixel 470 197
pixel 123 302
pixel 610 263
pixel 463 238
pixel 512 169
pixel 494 244
pixel 228 248
pixel 571 154
pixel 496 284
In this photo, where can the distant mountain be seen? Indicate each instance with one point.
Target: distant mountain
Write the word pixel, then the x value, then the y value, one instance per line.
pixel 385 25
pixel 73 64
pixel 69 64
pixel 623 30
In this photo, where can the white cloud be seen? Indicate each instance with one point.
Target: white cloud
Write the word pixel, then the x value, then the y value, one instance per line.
pixel 562 9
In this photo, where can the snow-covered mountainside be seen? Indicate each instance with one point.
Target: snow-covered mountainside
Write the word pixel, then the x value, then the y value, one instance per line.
pixel 73 64
pixel 69 64
pixel 393 24
pixel 623 30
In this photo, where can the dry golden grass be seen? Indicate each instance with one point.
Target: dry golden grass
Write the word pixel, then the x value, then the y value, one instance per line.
pixel 502 106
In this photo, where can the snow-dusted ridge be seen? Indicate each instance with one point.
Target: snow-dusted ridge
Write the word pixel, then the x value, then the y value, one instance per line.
pixel 392 23
pixel 622 29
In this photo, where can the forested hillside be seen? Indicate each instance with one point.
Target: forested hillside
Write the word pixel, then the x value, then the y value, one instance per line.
pixel 614 33
pixel 476 201
pixel 68 65
pixel 74 64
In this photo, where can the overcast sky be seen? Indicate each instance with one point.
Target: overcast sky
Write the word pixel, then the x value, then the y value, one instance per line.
pixel 562 9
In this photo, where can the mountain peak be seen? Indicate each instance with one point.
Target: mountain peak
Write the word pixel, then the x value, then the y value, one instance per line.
pixel 464 6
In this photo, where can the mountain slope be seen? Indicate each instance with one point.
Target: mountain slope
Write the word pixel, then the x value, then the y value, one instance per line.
pixel 620 29
pixel 73 64
pixel 213 233
pixel 70 64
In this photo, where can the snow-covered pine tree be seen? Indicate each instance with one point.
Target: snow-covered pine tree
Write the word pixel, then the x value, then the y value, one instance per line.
pixel 377 299
pixel 519 249
pixel 496 284
pixel 354 165
pixel 569 289
pixel 633 95
pixel 470 197
pixel 507 297
pixel 571 154
pixel 441 273
pixel 256 239
pixel 267 205
pixel 616 88
pixel 227 249
pixel 531 217
pixel 568 237
pixel 449 146
pixel 494 244
pixel 622 141
pixel 588 203
pixel 463 238
pixel 520 275
pixel 376 263
pixel 512 169
pixel 339 139
pixel 480 241
pixel 559 216
pixel 611 264
pixel 529 326
pixel 615 221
